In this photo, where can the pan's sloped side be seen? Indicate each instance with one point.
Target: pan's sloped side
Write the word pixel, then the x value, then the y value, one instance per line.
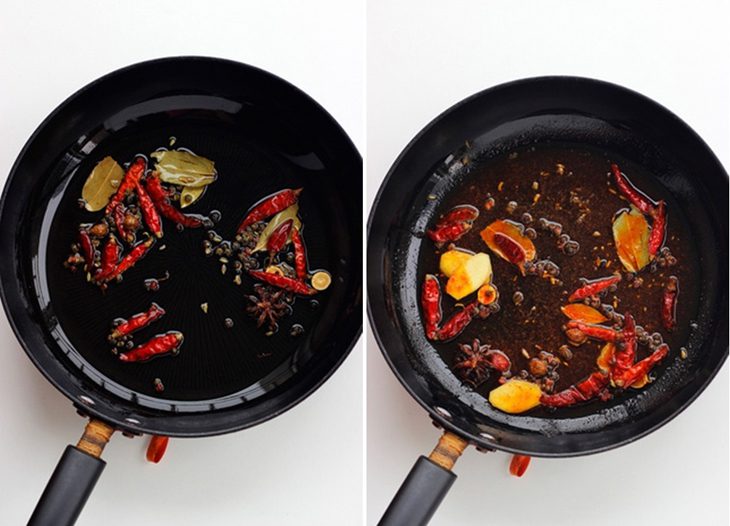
pixel 183 89
pixel 548 109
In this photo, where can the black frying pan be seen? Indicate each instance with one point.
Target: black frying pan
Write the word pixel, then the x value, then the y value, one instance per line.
pixel 540 110
pixel 264 135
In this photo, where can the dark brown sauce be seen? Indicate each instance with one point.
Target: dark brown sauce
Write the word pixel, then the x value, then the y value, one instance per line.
pixel 575 190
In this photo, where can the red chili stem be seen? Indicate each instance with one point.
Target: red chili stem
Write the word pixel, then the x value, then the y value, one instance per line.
pixel 636 198
pixel 641 368
pixel 87 249
pixel 448 233
pixel 283 282
pixel 128 261
pixel 278 237
pixel 270 206
pixel 658 228
pixel 669 303
pixel 518 465
pixel 138 321
pixel 431 305
pixel 129 182
pixel 593 288
pixel 589 388
pixel 161 199
pixel 156 448
pixel 149 211
pixel 160 344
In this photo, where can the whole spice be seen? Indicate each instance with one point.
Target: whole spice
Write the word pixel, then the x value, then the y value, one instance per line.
pixel 87 249
pixel 129 182
pixel 473 362
pixel 283 282
pixel 656 236
pixel 157 346
pixel 110 256
pixel 149 211
pixel 278 238
pixel 270 206
pixel 594 287
pixel 593 386
pixel 138 321
pixel 162 200
pixel 300 254
pixel 669 303
pixel 635 197
pixel 128 261
pixel 268 305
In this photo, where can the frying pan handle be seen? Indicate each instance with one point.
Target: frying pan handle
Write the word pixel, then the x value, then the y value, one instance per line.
pixel 73 479
pixel 426 485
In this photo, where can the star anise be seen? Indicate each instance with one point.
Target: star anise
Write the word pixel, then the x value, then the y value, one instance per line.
pixel 473 362
pixel 268 305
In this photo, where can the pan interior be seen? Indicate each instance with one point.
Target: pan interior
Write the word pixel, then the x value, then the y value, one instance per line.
pixel 541 113
pixel 217 367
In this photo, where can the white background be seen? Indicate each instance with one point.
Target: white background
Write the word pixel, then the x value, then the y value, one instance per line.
pixel 304 467
pixel 420 62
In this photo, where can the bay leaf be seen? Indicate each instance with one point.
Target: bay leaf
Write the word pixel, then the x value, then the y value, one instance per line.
pixel 190 194
pixel 631 237
pixel 101 184
pixel 278 219
pixel 184 168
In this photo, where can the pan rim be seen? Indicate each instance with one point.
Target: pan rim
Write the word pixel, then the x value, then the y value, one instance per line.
pixel 373 268
pixel 66 381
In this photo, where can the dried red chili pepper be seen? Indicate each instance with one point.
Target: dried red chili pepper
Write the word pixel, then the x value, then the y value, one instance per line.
pixel 278 237
pixel 156 448
pixel 514 252
pixel 589 388
pixel 128 261
pixel 458 214
pixel 448 233
pixel 154 187
pixel 636 198
pixel 431 305
pixel 518 465
pixel 161 199
pixel 110 255
pixel 641 368
pixel 120 211
pixel 669 303
pixel 160 344
pixel 625 353
pixel 594 287
pixel 457 323
pixel 149 211
pixel 129 182
pixel 598 332
pixel 658 227
pixel 300 254
pixel 87 249
pixel 138 321
pixel 270 206
pixel 283 282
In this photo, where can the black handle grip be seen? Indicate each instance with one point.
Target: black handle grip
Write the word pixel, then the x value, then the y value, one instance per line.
pixel 419 496
pixel 68 489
